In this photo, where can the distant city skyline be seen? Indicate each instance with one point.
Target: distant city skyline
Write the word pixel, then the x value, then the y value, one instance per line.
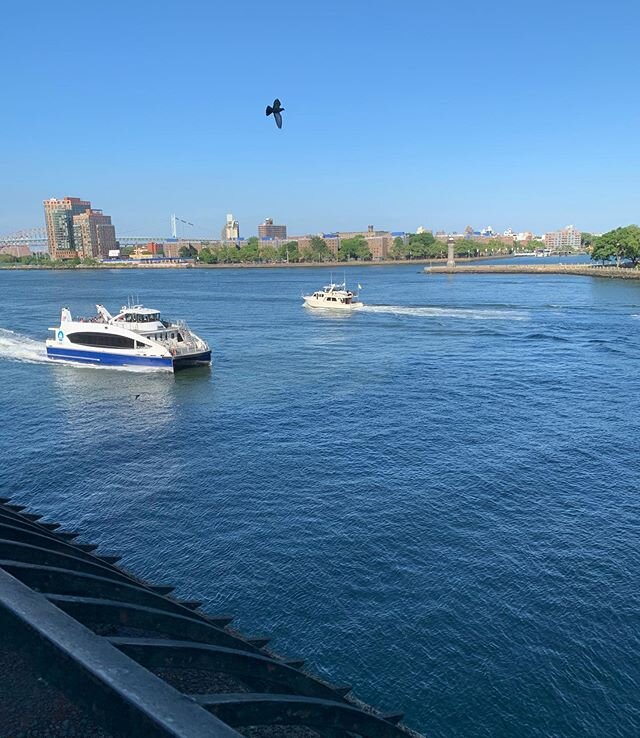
pixel 469 114
pixel 267 229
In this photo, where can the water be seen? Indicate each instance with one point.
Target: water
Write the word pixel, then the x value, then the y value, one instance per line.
pixel 435 499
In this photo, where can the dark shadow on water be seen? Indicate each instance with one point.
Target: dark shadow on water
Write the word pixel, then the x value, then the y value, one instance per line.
pixel 193 374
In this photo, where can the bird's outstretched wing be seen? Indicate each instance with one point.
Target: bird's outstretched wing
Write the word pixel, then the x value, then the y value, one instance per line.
pixel 278 118
pixel 269 110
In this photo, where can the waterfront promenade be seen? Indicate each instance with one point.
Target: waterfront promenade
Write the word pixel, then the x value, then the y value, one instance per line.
pixel 580 270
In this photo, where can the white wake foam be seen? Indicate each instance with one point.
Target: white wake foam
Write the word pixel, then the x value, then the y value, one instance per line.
pixel 441 312
pixel 17 347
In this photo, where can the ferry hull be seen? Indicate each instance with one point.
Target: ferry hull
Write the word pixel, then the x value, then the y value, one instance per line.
pixel 100 358
pixel 183 362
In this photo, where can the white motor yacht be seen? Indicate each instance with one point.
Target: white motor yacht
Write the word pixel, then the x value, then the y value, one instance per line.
pixel 333 297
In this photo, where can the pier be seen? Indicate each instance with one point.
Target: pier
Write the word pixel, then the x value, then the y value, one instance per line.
pixel 89 649
pixel 578 270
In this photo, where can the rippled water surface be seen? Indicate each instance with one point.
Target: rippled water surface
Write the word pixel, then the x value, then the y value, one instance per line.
pixel 435 499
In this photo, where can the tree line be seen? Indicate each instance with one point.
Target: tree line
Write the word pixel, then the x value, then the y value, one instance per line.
pixel 252 250
pixel 620 244
pixel 43 260
pixel 416 246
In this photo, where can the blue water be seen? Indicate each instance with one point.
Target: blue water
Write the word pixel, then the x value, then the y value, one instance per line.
pixel 436 499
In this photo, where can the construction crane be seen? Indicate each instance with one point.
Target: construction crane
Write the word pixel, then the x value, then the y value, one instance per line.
pixel 174 224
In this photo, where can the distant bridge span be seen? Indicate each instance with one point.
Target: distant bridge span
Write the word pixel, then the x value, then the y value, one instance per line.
pixel 30 236
pixel 36 238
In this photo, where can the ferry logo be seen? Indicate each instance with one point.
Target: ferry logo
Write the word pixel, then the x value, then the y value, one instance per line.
pixel 60 335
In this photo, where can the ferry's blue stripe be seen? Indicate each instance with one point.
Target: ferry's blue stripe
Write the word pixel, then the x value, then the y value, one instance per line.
pixel 97 357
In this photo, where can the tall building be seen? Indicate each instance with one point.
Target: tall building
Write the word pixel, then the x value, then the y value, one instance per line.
pixel 74 229
pixel 268 230
pixel 231 230
pixel 93 234
pixel 567 238
pixel 58 215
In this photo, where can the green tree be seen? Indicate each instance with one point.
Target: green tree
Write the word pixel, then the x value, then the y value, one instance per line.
pixel 424 246
pixel 587 239
pixel 229 254
pixel 464 247
pixel 249 250
pixel 208 255
pixel 188 252
pixel 398 249
pixel 602 250
pixel 620 243
pixel 354 248
pixel 289 252
pixel 319 250
pixel 68 263
pixel 268 253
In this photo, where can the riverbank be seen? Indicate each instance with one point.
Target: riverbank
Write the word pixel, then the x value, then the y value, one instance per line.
pixel 580 270
pixel 242 265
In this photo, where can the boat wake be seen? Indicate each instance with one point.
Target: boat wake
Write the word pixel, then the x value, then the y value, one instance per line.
pixel 442 312
pixel 18 347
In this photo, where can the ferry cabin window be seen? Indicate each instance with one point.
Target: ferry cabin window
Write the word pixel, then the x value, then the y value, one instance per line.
pixel 141 318
pixel 102 340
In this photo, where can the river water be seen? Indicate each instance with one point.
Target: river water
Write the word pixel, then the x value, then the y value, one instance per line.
pixel 434 499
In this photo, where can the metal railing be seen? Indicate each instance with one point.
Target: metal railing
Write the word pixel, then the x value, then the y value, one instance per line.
pixel 118 649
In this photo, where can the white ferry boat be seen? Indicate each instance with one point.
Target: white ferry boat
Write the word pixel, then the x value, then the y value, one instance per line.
pixel 136 336
pixel 333 297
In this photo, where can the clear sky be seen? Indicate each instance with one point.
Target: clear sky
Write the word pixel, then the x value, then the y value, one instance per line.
pixel 397 114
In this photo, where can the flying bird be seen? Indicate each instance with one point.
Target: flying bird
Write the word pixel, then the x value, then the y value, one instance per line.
pixel 276 110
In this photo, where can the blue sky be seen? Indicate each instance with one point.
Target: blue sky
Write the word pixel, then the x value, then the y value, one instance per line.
pixel 522 115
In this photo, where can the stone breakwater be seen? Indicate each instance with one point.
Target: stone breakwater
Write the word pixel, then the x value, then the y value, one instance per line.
pixel 580 270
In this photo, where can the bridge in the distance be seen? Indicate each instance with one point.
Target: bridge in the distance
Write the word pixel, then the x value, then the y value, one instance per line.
pixel 36 239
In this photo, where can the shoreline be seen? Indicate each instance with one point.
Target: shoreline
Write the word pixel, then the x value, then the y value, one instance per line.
pixel 577 270
pixel 271 265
